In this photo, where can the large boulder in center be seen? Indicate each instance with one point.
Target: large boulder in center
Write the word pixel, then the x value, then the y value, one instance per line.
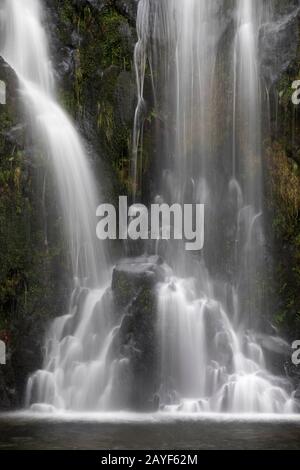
pixel 134 289
pixel 131 275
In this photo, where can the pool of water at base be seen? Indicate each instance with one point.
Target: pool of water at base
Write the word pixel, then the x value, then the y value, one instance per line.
pixel 24 430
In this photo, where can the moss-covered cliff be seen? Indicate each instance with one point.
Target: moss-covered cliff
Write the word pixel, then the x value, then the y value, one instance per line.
pixel 282 178
pixel 94 63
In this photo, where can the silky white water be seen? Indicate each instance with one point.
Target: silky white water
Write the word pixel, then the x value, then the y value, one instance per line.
pixel 26 51
pixel 77 373
pixel 210 153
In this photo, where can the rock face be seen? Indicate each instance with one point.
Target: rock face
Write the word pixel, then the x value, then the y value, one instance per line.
pixel 128 8
pixel 280 65
pixel 11 136
pixel 278 45
pixel 92 44
pixel 134 289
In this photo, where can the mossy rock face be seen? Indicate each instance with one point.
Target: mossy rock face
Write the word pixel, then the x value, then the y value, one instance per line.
pixel 282 181
pixel 127 8
pixel 92 44
pixel 283 191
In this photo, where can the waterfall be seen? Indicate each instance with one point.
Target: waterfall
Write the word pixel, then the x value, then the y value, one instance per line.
pixel 78 343
pixel 202 60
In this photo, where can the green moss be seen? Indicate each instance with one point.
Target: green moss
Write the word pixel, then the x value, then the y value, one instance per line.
pixel 26 280
pixel 114 49
pixel 284 204
pixel 68 101
pixel 105 50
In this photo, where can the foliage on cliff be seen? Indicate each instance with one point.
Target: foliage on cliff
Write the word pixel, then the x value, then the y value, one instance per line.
pixel 97 80
pixel 283 198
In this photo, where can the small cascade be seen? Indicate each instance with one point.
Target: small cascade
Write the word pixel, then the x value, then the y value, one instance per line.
pixel 208 365
pixel 80 371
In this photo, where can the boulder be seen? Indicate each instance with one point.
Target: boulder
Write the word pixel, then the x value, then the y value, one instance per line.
pixel 131 275
pixel 134 289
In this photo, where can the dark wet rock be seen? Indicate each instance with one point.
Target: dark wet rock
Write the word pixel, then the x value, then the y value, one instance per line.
pixel 27 357
pixel 278 45
pixel 125 96
pixel 8 76
pixel 127 8
pixel 293 374
pixel 66 64
pixel 134 288
pixel 7 394
pixel 134 274
pixel 276 350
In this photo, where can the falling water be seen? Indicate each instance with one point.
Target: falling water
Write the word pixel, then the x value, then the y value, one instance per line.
pixel 78 344
pixel 211 153
pixel 26 50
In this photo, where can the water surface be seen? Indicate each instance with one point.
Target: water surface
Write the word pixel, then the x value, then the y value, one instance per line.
pixel 128 431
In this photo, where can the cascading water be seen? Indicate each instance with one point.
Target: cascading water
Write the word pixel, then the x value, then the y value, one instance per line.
pixel 26 51
pixel 211 152
pixel 77 373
